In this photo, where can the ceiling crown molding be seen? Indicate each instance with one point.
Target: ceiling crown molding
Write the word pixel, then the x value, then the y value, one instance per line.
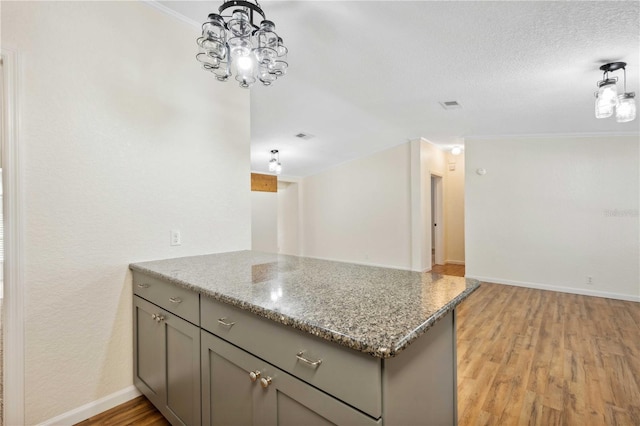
pixel 162 8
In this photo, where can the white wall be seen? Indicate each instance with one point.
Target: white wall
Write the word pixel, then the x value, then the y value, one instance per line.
pixel 552 211
pixel 360 211
pixel 264 221
pixel 288 218
pixel 374 210
pixel 121 135
pixel 454 210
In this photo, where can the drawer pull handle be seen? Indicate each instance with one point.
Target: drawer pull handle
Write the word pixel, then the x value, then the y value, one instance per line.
pixel 265 382
pixel 313 364
pixel 223 321
pixel 175 300
pixel 254 375
pixel 143 285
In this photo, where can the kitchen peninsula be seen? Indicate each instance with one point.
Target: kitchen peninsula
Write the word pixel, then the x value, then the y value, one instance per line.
pixel 256 338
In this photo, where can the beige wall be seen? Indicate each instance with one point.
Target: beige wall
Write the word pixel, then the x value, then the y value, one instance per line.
pixel 121 139
pixel 454 209
pixel 550 212
pixel 377 209
pixel 360 211
pixel 288 218
pixel 264 221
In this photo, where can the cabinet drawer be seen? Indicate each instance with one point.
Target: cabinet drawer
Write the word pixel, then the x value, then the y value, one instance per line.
pixel 177 300
pixel 350 376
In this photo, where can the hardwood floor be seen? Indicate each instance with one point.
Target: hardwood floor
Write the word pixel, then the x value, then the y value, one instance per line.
pixel 532 357
pixel 138 411
pixel 525 357
pixel 449 269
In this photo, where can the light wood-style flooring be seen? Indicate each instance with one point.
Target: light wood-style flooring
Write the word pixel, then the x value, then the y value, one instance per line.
pixel 533 357
pixel 525 357
pixel 139 411
pixel 449 269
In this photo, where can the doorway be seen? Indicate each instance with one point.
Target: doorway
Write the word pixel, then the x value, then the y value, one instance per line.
pixel 437 225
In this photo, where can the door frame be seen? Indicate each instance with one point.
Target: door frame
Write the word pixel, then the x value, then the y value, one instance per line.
pixel 438 231
pixel 13 311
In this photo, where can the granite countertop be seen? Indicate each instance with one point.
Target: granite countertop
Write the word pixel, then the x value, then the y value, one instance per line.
pixel 375 310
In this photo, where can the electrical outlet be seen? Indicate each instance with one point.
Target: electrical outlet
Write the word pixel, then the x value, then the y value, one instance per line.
pixel 589 280
pixel 176 237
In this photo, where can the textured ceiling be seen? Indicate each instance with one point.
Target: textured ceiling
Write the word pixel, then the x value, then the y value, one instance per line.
pixel 368 75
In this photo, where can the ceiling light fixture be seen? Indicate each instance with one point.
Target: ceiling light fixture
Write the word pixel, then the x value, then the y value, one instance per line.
pixel 608 99
pixel 274 163
pixel 234 44
pixel 456 150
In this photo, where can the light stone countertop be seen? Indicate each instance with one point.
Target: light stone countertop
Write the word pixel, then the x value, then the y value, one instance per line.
pixel 375 310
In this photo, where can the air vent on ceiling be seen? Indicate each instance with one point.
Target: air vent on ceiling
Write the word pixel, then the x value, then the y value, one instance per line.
pixel 450 105
pixel 305 136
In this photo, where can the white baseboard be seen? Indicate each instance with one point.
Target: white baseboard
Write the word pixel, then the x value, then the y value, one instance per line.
pixel 96 407
pixel 454 262
pixel 538 286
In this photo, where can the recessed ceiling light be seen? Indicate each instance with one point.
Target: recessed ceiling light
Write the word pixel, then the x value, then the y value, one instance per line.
pixel 450 105
pixel 305 136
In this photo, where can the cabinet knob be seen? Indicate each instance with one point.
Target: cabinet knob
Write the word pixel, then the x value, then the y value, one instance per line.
pixel 265 382
pixel 153 316
pixel 254 375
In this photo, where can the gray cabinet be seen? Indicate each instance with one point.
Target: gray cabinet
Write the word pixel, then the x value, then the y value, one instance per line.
pixel 167 361
pixel 193 357
pixel 231 396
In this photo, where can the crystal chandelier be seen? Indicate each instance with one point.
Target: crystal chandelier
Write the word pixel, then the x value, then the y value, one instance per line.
pixel 235 45
pixel 274 163
pixel 608 99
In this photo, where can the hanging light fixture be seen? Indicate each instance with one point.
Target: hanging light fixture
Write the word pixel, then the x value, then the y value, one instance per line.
pixel 234 44
pixel 608 99
pixel 274 163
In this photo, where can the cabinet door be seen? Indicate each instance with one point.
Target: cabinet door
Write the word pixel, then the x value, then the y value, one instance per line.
pixel 228 394
pixel 167 362
pixel 229 397
pixel 182 354
pixel 148 352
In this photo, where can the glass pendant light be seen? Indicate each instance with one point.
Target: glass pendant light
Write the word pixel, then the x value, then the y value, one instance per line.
pixel 267 41
pixel 245 70
pixel 274 163
pixel 607 93
pixel 603 110
pixel 280 65
pixel 608 99
pixel 239 24
pixel 626 109
pixel 235 45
